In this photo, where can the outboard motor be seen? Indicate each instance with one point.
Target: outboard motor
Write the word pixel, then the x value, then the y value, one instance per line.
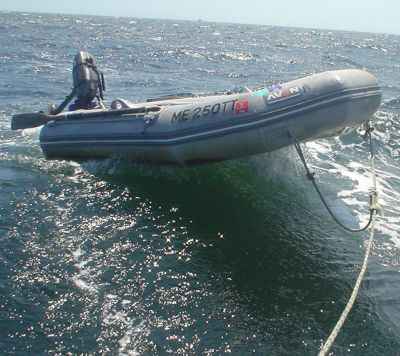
pixel 88 85
pixel 88 82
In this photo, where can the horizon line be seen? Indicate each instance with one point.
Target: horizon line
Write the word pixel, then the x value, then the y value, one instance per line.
pixel 196 20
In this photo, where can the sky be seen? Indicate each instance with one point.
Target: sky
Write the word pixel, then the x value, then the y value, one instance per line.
pixel 353 15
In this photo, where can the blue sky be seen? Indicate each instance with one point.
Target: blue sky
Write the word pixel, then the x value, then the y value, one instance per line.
pixel 356 15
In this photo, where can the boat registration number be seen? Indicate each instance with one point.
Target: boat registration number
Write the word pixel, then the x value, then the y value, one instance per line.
pixel 236 106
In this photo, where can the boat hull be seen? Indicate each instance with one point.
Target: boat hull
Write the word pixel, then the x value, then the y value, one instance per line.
pixel 220 127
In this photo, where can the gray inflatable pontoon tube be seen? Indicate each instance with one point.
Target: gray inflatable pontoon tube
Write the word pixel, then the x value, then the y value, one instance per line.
pixel 199 129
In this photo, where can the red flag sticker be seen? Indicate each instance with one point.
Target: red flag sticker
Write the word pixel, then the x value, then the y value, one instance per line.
pixel 242 106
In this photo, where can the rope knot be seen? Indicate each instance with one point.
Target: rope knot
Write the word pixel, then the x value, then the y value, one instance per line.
pixel 374 206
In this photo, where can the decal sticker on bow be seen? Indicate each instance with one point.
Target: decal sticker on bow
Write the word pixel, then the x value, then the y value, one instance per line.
pixel 278 93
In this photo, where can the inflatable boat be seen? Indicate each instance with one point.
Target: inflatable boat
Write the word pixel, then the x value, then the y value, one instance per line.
pixel 191 129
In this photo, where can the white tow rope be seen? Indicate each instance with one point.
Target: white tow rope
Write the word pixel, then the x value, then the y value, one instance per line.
pixel 331 339
pixel 374 209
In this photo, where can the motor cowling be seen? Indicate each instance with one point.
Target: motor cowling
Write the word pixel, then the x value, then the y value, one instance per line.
pixel 88 81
